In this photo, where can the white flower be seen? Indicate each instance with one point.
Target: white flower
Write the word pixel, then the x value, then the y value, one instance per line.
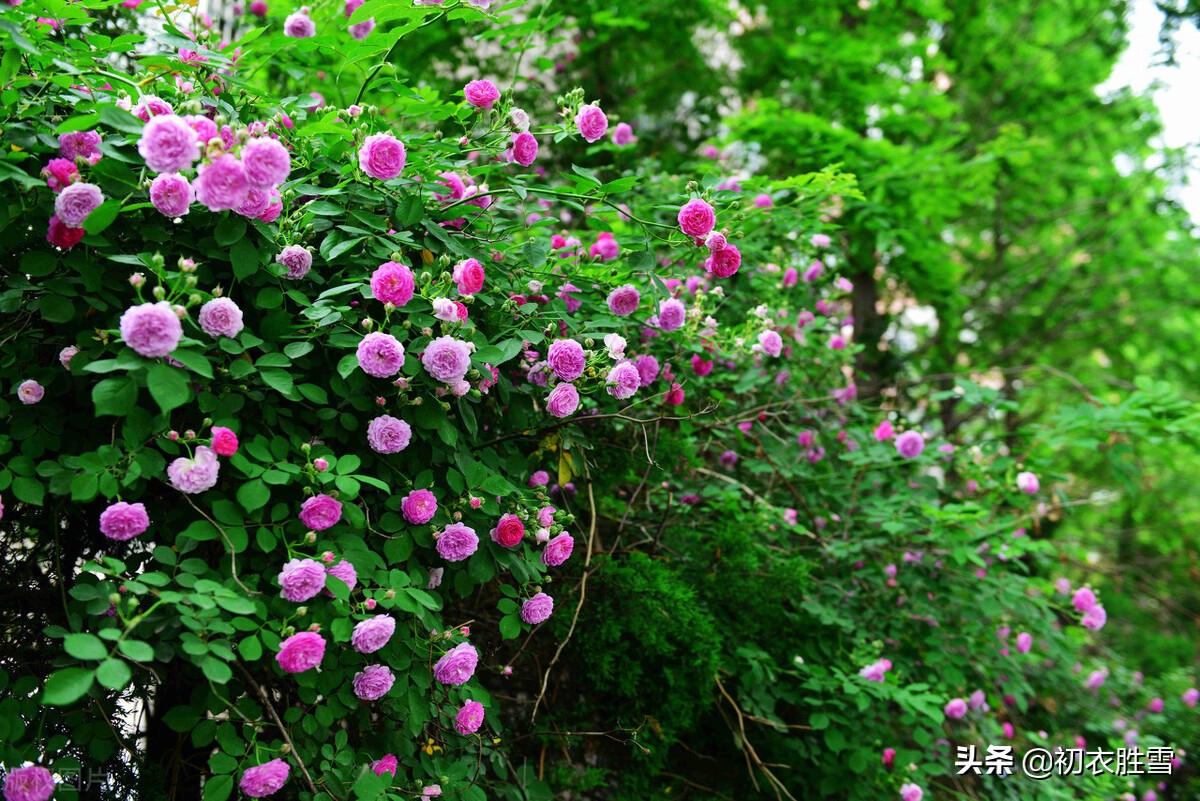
pixel 616 346
pixel 445 310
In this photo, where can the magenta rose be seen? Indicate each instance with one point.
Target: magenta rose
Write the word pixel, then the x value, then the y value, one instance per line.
pixel 457 542
pixel 221 185
pixel 300 652
pixel 624 300
pixel 221 317
pixel 123 521
pixel 387 434
pixel 697 218
pixel 623 380
pixel 75 202
pixel 447 359
pixel 266 779
pixel 321 512
pixel 373 682
pixel 380 355
pixel 509 531
pixel 558 550
pixel 469 718
pixel 419 506
pixel 457 666
pixel 62 235
pixel 151 329
pixel 31 783
pixel 373 633
pixel 469 275
pixel 524 148
pixel 381 156
pixel 592 123
pixel 537 609
pixel 171 194
pixel 671 314
pixel 266 161
pixel 296 259
pixel 168 144
pixel 392 283
pixel 301 580
pixel 481 94
pixel 563 400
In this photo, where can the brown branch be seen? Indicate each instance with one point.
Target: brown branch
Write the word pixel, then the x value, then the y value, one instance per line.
pixel 582 593
pixel 287 738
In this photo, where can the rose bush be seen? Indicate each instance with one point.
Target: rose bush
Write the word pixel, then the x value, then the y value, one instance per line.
pixel 319 350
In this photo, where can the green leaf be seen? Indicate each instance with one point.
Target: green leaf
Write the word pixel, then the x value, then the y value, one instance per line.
pixel 67 686
pixel 235 603
pixel 137 650
pixel 244 258
pixel 253 495
pixel 342 247
pixel 115 396
pixel 510 626
pixel 229 230
pixel 181 718
pixel 102 216
pixel 29 490
pixel 281 382
pixel 168 386
pixel 80 122
pixel 535 252
pixel 216 670
pixel 85 646
pixel 251 648
pixel 56 308
pixel 218 788
pixel 114 673
pixel 196 362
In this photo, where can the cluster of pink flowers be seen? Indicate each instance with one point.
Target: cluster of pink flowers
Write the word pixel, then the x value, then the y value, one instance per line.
pixel 1094 615
pixel 876 670
pixel 243 178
